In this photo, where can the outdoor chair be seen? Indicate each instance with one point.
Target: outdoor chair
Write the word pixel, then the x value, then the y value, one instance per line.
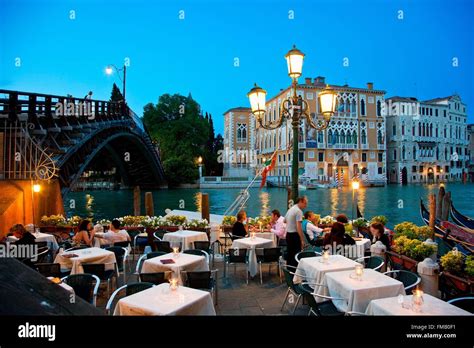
pixel 409 279
pixel 141 260
pixel 304 254
pixel 159 234
pixel 155 278
pixel 293 288
pixel 321 309
pixel 124 244
pixel 126 290
pixel 234 257
pixel 198 253
pixel 373 262
pixel 466 303
pixel 269 256
pixel 85 286
pixel 164 246
pixel 99 270
pixel 77 247
pixel 121 256
pixel 202 280
pixel 206 246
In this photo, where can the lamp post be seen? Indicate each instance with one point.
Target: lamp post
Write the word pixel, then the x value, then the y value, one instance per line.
pixel 294 109
pixel 200 167
pixel 110 69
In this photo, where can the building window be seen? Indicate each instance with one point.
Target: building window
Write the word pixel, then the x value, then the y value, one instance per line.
pixel 380 157
pixel 414 152
pixel 321 156
pixel 241 132
pixel 363 137
pixel 436 112
pixel 394 130
pixel 421 169
pixel 362 107
pixel 403 152
pixel 394 154
pixel 379 108
pixel 379 137
pixel 301 156
pixel 310 154
pixel 413 169
pixel 364 156
pixel 379 170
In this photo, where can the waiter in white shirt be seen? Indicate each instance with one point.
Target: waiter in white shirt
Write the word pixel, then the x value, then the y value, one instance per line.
pixel 294 231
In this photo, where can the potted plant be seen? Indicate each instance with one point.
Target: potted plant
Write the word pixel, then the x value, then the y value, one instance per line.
pixel 227 222
pixel 361 225
pixel 457 276
pixel 326 221
pixel 380 219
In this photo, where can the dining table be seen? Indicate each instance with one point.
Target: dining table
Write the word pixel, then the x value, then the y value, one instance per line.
pixel 73 260
pixel 50 239
pixel 175 263
pixel 354 294
pixel 313 270
pixel 186 238
pixel 162 300
pixel 403 306
pixel 252 244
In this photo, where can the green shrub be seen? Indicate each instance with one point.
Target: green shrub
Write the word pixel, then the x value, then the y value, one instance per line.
pixel 379 218
pixel 469 268
pixel 406 228
pixel 453 262
pixel 360 222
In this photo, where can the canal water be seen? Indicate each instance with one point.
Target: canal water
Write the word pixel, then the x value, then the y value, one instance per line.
pixel 397 203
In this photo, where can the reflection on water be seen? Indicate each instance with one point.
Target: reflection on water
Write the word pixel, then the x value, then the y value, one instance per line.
pixel 265 203
pixel 372 201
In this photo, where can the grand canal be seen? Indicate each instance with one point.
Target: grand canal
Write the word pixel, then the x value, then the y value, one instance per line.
pixel 398 203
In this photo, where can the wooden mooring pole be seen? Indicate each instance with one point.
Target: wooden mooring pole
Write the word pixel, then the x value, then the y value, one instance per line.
pixel 205 206
pixel 149 210
pixel 136 201
pixel 432 199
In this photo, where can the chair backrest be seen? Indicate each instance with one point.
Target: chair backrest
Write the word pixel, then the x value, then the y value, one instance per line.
pixel 158 234
pixel 307 292
pixel 466 303
pixel 85 285
pixel 372 262
pixel 154 278
pixel 271 254
pixel 133 288
pixel 162 245
pixel 49 269
pixel 122 244
pixel 237 255
pixel 153 254
pixel 202 245
pixel 199 280
pixel 288 277
pixel 78 247
pixel 304 254
pixel 41 244
pixel 409 279
pixel 41 255
pixel 95 268
pixel 120 254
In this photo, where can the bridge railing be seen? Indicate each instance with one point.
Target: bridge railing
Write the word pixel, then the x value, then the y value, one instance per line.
pixel 16 105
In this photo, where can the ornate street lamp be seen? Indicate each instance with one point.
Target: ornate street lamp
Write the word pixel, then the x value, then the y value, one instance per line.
pixel 109 71
pixel 294 109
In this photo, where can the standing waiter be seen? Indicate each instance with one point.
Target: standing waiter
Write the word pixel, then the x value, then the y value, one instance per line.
pixel 294 231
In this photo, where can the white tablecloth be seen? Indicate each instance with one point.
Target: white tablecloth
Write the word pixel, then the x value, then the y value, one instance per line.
pixel 313 270
pixel 267 235
pixel 186 238
pixel 184 262
pixel 41 237
pixel 357 294
pixel 160 300
pixel 251 244
pixel 431 306
pixel 356 251
pixel 88 255
pixel 63 285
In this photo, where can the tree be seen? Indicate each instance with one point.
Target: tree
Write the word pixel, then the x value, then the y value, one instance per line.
pixel 116 95
pixel 182 132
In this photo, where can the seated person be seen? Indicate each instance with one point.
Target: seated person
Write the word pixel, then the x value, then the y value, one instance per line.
pixel 342 218
pixel 115 234
pixel 85 234
pixel 277 224
pixel 240 229
pixel 311 230
pixel 22 235
pixel 338 236
pixel 377 230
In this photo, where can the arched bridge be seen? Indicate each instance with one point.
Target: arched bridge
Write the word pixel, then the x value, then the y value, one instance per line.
pixel 45 136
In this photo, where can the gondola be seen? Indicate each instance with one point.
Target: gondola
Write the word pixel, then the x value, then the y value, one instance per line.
pixel 460 219
pixel 445 240
pixel 359 214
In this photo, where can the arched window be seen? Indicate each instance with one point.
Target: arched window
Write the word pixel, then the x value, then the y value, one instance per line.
pixel 445 153
pixel 348 137
pixel 394 130
pixel 379 108
pixel 414 152
pixel 241 132
pixel 431 130
pixel 403 128
pixel 353 107
pixel 336 137
pixel 437 153
pixel 274 140
pixel 354 137
pixel 363 137
pixel 347 108
pixel 330 137
pixel 419 129
pixel 320 137
pixel 394 154
pixel 379 137
pixel 362 107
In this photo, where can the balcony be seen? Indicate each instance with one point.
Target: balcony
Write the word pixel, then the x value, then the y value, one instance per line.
pixel 342 146
pixel 364 146
pixel 380 146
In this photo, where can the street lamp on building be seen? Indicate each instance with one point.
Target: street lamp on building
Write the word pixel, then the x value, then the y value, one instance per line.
pixel 199 160
pixel 294 109
pixel 109 71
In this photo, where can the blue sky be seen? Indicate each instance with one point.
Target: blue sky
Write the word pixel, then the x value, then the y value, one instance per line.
pixel 408 57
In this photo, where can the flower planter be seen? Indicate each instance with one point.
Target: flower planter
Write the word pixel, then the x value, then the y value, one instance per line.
pixel 398 261
pixel 452 285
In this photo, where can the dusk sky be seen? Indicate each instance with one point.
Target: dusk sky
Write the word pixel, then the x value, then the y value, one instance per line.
pixel 61 55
